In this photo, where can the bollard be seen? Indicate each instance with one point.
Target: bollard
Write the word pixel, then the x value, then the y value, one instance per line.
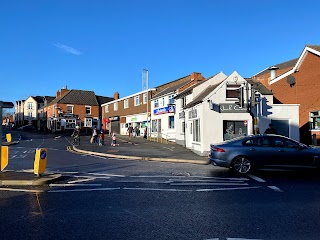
pixel 8 137
pixel 4 157
pixel 40 161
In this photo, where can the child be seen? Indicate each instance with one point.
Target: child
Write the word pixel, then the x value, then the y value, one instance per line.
pixel 114 140
pixel 101 138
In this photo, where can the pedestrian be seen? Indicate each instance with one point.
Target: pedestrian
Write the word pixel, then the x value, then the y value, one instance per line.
pixel 135 131
pixel 270 130
pixel 95 135
pixel 130 131
pixel 145 132
pixel 101 138
pixel 114 140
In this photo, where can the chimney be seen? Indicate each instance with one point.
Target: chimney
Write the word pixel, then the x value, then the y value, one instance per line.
pixel 195 77
pixel 116 95
pixel 62 91
pixel 273 72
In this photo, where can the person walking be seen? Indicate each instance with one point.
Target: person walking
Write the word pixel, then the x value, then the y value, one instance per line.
pixel 130 131
pixel 145 132
pixel 114 140
pixel 95 135
pixel 270 130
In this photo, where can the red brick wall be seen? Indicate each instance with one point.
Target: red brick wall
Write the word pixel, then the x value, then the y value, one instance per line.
pixel 305 92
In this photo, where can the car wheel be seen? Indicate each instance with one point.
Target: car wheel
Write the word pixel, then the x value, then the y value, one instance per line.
pixel 241 165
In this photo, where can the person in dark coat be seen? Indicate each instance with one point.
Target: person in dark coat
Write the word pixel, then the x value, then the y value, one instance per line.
pixel 270 130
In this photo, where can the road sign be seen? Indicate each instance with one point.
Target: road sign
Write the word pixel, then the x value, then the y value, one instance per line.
pixel 6 104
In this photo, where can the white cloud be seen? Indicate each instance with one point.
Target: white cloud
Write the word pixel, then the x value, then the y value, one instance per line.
pixel 68 49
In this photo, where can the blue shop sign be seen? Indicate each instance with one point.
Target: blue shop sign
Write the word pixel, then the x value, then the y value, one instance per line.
pixel 169 109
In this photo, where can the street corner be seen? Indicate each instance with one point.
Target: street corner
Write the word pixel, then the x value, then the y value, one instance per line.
pixel 13 178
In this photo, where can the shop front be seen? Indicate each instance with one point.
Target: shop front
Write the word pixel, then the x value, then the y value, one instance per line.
pixel 138 122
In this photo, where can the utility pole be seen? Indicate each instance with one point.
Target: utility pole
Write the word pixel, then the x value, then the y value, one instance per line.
pixel 146 87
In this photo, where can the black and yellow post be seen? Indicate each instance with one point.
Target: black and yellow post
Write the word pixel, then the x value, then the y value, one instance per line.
pixel 4 157
pixel 8 137
pixel 40 161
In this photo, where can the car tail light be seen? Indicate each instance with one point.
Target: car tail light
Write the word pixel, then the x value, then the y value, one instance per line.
pixel 216 149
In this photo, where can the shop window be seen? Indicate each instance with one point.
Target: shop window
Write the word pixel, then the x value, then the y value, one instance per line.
pixel 196 130
pixel 154 126
pixel 171 122
pixel 233 129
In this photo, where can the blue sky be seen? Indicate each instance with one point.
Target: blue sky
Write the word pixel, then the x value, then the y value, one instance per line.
pixel 103 45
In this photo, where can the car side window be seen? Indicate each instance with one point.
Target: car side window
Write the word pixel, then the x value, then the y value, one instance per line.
pixel 291 144
pixel 251 142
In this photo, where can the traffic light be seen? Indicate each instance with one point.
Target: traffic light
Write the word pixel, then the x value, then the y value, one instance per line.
pixel 239 100
pixel 265 108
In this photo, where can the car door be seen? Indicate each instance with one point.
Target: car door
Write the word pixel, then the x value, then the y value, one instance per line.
pixel 259 151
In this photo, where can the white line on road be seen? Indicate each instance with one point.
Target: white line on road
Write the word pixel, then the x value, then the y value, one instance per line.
pixel 82 180
pixel 158 189
pixel 168 149
pixel 106 174
pixel 20 190
pixel 275 188
pixel 84 190
pixel 209 184
pixel 159 176
pixel 74 185
pixel 256 178
pixel 199 180
pixel 241 179
pixel 242 239
pixel 225 189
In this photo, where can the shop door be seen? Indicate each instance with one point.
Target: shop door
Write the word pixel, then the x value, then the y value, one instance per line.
pixel 115 126
pixel 233 129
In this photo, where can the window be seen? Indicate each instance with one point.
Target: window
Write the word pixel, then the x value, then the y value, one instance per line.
pixel 171 122
pixel 190 128
pixel 126 103
pixel 183 127
pixel 171 99
pixel 69 108
pixel 106 108
pixel 137 100
pixel 30 105
pixel 145 98
pixel 232 91
pixel 115 106
pixel 88 110
pixel 196 130
pixel 156 103
pixel 183 102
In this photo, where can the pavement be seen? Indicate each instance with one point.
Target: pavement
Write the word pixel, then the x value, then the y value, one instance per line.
pixel 136 148
pixel 139 148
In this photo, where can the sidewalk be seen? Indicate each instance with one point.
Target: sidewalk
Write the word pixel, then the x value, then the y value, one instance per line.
pixel 139 148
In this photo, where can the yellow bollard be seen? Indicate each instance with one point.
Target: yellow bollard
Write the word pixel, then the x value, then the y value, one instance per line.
pixel 9 137
pixel 4 157
pixel 40 161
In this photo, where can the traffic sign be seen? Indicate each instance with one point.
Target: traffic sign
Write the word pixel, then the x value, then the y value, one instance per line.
pixel 6 104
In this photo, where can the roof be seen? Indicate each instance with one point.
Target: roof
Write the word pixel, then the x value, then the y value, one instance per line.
pixel 315 47
pixel 170 89
pixel 38 99
pixel 174 81
pixel 284 65
pixel 77 97
pixel 201 96
pixel 259 87
pixel 102 100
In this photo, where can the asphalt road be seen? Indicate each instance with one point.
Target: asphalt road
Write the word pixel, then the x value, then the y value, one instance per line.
pixel 101 198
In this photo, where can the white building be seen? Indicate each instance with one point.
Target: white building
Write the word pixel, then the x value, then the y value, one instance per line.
pixel 30 109
pixel 212 115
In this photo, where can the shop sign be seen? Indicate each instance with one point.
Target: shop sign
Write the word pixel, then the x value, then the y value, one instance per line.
pixel 117 118
pixel 231 108
pixel 181 115
pixel 169 109
pixel 133 119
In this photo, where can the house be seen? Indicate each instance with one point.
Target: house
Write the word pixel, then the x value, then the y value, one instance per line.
pixel 223 108
pixel 73 107
pixel 27 111
pixel 163 107
pixel 296 82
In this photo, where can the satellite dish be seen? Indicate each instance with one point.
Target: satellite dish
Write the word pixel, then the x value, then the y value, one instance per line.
pixel 291 80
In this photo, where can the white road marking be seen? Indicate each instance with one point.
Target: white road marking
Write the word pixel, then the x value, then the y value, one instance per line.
pixel 240 179
pixel 218 180
pixel 275 188
pixel 158 189
pixel 159 176
pixel 82 180
pixel 225 189
pixel 242 239
pixel 168 149
pixel 209 184
pixel 84 190
pixel 74 185
pixel 256 178
pixel 95 177
pixel 106 174
pixel 20 190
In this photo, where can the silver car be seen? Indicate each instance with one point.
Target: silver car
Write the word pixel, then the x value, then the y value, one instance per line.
pixel 251 152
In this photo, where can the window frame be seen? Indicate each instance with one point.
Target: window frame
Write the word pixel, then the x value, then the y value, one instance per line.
pixel 196 136
pixel 171 122
pixel 71 109
pixel 136 100
pixel 126 103
pixel 86 108
pixel 115 106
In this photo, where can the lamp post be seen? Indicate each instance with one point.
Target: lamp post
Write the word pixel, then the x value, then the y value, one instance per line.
pixel 3 105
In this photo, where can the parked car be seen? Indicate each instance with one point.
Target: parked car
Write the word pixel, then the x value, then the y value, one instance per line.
pixel 246 153
pixel 27 128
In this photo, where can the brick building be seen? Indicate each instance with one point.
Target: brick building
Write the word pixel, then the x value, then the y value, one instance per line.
pixel 297 81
